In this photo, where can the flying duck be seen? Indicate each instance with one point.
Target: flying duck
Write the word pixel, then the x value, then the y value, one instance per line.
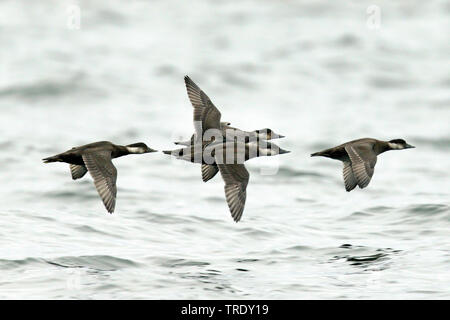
pixel 359 158
pixel 228 157
pixel 96 158
pixel 207 117
pixel 231 133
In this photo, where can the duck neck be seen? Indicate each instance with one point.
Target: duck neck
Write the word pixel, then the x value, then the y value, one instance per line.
pixel 382 147
pixel 120 151
pixel 252 150
pixel 260 135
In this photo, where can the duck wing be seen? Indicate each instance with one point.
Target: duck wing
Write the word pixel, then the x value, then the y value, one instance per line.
pixel 236 179
pixel 77 171
pixel 209 171
pixel 363 160
pixel 204 110
pixel 349 178
pixel 104 173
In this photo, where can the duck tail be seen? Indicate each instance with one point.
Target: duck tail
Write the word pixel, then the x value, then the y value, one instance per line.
pixel 51 159
pixel 183 143
pixel 315 154
pixel 177 152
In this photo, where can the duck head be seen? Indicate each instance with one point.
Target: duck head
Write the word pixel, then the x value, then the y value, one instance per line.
pixel 267 134
pixel 269 149
pixel 399 144
pixel 138 148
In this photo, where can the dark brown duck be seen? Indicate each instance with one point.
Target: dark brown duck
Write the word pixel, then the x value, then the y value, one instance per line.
pixel 359 158
pixel 96 158
pixel 228 157
pixel 206 117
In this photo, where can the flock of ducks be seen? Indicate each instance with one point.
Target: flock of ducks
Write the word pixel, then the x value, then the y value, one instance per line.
pixel 218 147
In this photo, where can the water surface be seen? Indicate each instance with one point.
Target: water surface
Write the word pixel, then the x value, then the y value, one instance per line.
pixel 310 70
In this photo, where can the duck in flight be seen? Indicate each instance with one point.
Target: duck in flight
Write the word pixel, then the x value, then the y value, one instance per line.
pixel 207 117
pixel 359 158
pixel 229 158
pixel 231 133
pixel 226 156
pixel 96 158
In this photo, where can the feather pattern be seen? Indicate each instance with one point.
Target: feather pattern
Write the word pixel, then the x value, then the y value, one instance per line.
pixel 209 171
pixel 236 179
pixel 363 161
pixel 204 110
pixel 104 174
pixel 349 178
pixel 77 171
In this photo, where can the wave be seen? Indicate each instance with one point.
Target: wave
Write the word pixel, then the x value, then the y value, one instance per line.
pixel 365 257
pixel 51 88
pixel 289 172
pixel 95 262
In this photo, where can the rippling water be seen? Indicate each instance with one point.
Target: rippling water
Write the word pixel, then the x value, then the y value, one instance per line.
pixel 310 70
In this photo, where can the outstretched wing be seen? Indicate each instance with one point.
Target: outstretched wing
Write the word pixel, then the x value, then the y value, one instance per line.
pixel 363 161
pixel 104 174
pixel 205 113
pixel 77 171
pixel 349 177
pixel 236 179
pixel 209 171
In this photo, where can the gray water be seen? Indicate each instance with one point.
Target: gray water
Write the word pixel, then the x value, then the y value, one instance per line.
pixel 311 70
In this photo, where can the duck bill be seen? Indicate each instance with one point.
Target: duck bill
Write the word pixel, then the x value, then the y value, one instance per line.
pixel 149 150
pixel 408 146
pixel 277 136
